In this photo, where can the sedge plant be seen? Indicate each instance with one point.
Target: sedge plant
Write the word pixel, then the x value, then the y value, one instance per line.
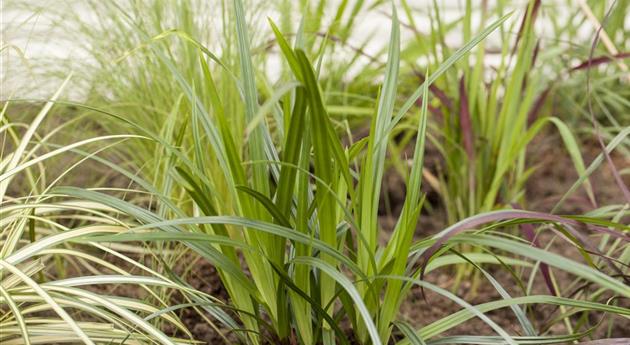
pixel 485 117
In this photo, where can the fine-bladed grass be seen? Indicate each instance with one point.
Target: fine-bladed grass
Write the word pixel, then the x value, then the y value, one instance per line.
pixel 268 181
pixel 44 302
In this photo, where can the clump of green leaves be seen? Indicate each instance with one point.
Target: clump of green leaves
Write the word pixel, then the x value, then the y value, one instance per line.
pixel 297 209
pixel 255 179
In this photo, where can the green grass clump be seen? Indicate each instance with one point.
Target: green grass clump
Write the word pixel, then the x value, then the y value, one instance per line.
pixel 253 177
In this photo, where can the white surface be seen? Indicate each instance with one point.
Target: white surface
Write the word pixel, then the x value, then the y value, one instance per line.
pixel 34 35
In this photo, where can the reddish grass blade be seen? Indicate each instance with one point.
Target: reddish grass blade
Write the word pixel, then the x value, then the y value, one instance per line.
pixel 436 91
pixel 473 222
pixel 535 110
pixel 530 235
pixel 596 61
pixel 534 12
pixel 464 121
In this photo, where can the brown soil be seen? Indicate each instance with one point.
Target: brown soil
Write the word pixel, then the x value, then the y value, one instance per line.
pixel 556 173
